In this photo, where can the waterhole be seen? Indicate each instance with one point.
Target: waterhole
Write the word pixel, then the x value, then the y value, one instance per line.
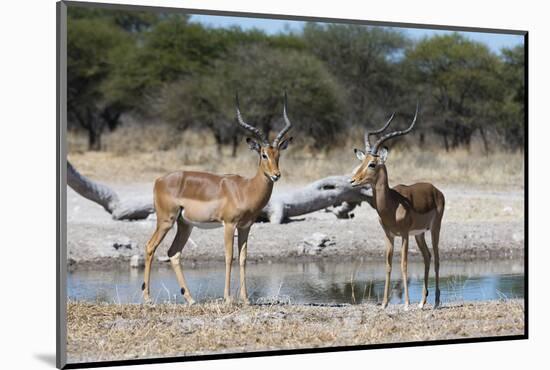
pixel 321 282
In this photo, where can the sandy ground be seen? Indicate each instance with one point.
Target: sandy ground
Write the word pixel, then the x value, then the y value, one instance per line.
pixel 477 224
pixel 101 332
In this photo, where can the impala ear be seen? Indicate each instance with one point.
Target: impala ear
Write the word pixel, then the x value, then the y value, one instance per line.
pixel 284 144
pixel 253 144
pixel 359 153
pixel 383 153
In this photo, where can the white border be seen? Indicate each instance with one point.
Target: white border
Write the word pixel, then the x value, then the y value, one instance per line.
pixel 28 180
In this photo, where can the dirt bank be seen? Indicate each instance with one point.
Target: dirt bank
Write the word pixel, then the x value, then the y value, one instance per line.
pixel 477 224
pixel 101 332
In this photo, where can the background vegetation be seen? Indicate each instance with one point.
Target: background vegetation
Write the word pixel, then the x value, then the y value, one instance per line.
pixel 161 69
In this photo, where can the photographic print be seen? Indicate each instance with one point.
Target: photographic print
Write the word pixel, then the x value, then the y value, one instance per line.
pixel 242 184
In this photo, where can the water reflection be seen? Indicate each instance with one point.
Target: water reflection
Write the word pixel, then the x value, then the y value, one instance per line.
pixel 312 282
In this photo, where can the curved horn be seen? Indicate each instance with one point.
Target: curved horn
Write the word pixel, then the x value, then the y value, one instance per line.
pixel 256 131
pixel 380 141
pixel 287 127
pixel 379 131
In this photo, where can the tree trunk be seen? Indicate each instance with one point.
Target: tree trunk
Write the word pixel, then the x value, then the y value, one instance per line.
pixel 484 139
pixel 446 142
pixel 95 129
pixel 94 139
pixel 456 137
pixel 218 139
pixel 235 145
pixel 422 139
pixel 111 116
pixel 467 139
pixel 334 191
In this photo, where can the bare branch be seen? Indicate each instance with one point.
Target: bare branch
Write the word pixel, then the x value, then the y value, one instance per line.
pixel 107 198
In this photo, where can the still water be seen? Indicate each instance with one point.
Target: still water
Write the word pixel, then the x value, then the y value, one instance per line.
pixel 309 282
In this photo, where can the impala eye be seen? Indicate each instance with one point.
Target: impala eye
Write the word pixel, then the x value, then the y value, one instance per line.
pixel 371 165
pixel 264 156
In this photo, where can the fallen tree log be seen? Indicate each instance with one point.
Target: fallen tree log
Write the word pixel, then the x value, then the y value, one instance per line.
pixel 108 198
pixel 333 191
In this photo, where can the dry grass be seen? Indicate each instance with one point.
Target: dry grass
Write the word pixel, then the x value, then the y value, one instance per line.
pixel 140 154
pixel 482 208
pixel 106 332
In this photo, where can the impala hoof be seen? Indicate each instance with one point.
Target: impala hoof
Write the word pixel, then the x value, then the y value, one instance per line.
pixel 437 298
pixel 421 305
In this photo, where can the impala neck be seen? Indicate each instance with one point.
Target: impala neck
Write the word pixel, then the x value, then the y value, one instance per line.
pixel 381 193
pixel 261 186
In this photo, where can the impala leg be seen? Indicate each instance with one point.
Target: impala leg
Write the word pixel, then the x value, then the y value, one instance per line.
pixel 163 225
pixel 404 262
pixel 435 245
pixel 243 246
pixel 229 234
pixel 389 257
pixel 421 242
pixel 174 253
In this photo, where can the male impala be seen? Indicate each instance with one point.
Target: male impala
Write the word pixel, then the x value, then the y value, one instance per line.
pixel 402 210
pixel 206 200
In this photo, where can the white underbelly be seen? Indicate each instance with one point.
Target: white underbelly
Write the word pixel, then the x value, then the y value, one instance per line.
pixel 417 232
pixel 411 232
pixel 200 224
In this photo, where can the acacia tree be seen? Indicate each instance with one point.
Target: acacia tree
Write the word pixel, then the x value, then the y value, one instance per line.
pixel 316 100
pixel 174 49
pixel 128 20
pixel 365 60
pixel 260 74
pixel 458 81
pixel 95 38
pixel 198 103
pixel 87 68
pixel 512 107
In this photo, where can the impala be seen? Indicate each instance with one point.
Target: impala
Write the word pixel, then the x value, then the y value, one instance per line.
pixel 403 210
pixel 206 200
